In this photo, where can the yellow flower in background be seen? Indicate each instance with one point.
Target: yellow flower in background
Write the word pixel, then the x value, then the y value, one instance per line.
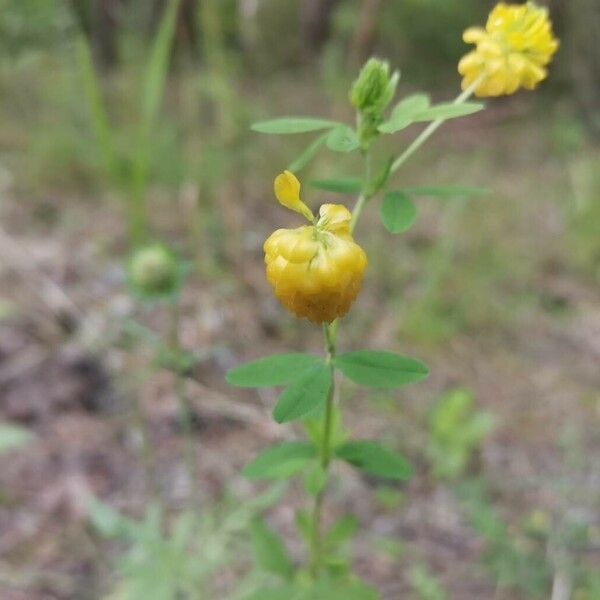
pixel 511 52
pixel 316 270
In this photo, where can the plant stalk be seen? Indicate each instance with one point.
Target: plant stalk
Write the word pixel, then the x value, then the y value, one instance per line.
pixel 185 408
pixel 147 452
pixel 432 128
pixel 363 198
pixel 330 335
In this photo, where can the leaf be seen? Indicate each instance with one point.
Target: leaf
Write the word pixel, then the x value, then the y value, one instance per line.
pixel 109 522
pixel 342 139
pixel 343 528
pixel 342 185
pixel 395 125
pixel 153 88
pixel 446 191
pixel 158 65
pixel 308 154
pixel 277 369
pixel 380 369
pixel 341 590
pixel 284 592
pixel 404 112
pixel 269 552
pixel 448 110
pixel 13 436
pixel 410 105
pixel 324 589
pixel 292 125
pixel 265 500
pixel 425 584
pixel 280 461
pixel 304 395
pixel 303 520
pixel 315 479
pixel 373 458
pixel 398 212
pixel 97 108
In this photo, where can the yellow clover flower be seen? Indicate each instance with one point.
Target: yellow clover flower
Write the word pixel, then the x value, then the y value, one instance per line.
pixel 511 52
pixel 316 270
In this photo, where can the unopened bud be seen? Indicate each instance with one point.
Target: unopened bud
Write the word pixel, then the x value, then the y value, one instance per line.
pixel 370 94
pixel 375 87
pixel 154 271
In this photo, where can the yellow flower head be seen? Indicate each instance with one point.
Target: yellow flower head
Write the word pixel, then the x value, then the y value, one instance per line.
pixel 315 270
pixel 511 52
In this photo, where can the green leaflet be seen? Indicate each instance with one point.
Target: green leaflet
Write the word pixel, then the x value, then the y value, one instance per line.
pixel 280 461
pixel 277 369
pixel 373 458
pixel 380 369
pixel 293 125
pixel 304 395
pixel 269 551
pixel 398 212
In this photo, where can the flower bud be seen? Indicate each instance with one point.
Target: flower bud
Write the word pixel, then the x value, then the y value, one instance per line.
pixel 370 94
pixel 154 271
pixel 374 88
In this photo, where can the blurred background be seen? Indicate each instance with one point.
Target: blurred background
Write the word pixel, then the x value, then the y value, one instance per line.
pixel 102 110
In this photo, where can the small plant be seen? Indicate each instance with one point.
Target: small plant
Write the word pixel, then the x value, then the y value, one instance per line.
pixel 156 274
pixel 425 584
pixel 456 431
pixel 179 557
pixel 514 561
pixel 546 552
pixel 316 271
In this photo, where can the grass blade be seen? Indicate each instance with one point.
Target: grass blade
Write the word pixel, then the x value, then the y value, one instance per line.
pixel 97 109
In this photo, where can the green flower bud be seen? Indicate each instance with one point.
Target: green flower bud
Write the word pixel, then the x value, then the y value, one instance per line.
pixel 154 271
pixel 374 88
pixel 370 94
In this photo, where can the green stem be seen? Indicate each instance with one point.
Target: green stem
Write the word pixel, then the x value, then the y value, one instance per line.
pixel 330 335
pixel 363 198
pixel 416 144
pixel 147 449
pixel 431 129
pixel 357 211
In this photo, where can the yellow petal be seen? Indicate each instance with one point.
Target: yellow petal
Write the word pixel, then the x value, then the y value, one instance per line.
pixel 287 191
pixel 472 35
pixel 335 218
